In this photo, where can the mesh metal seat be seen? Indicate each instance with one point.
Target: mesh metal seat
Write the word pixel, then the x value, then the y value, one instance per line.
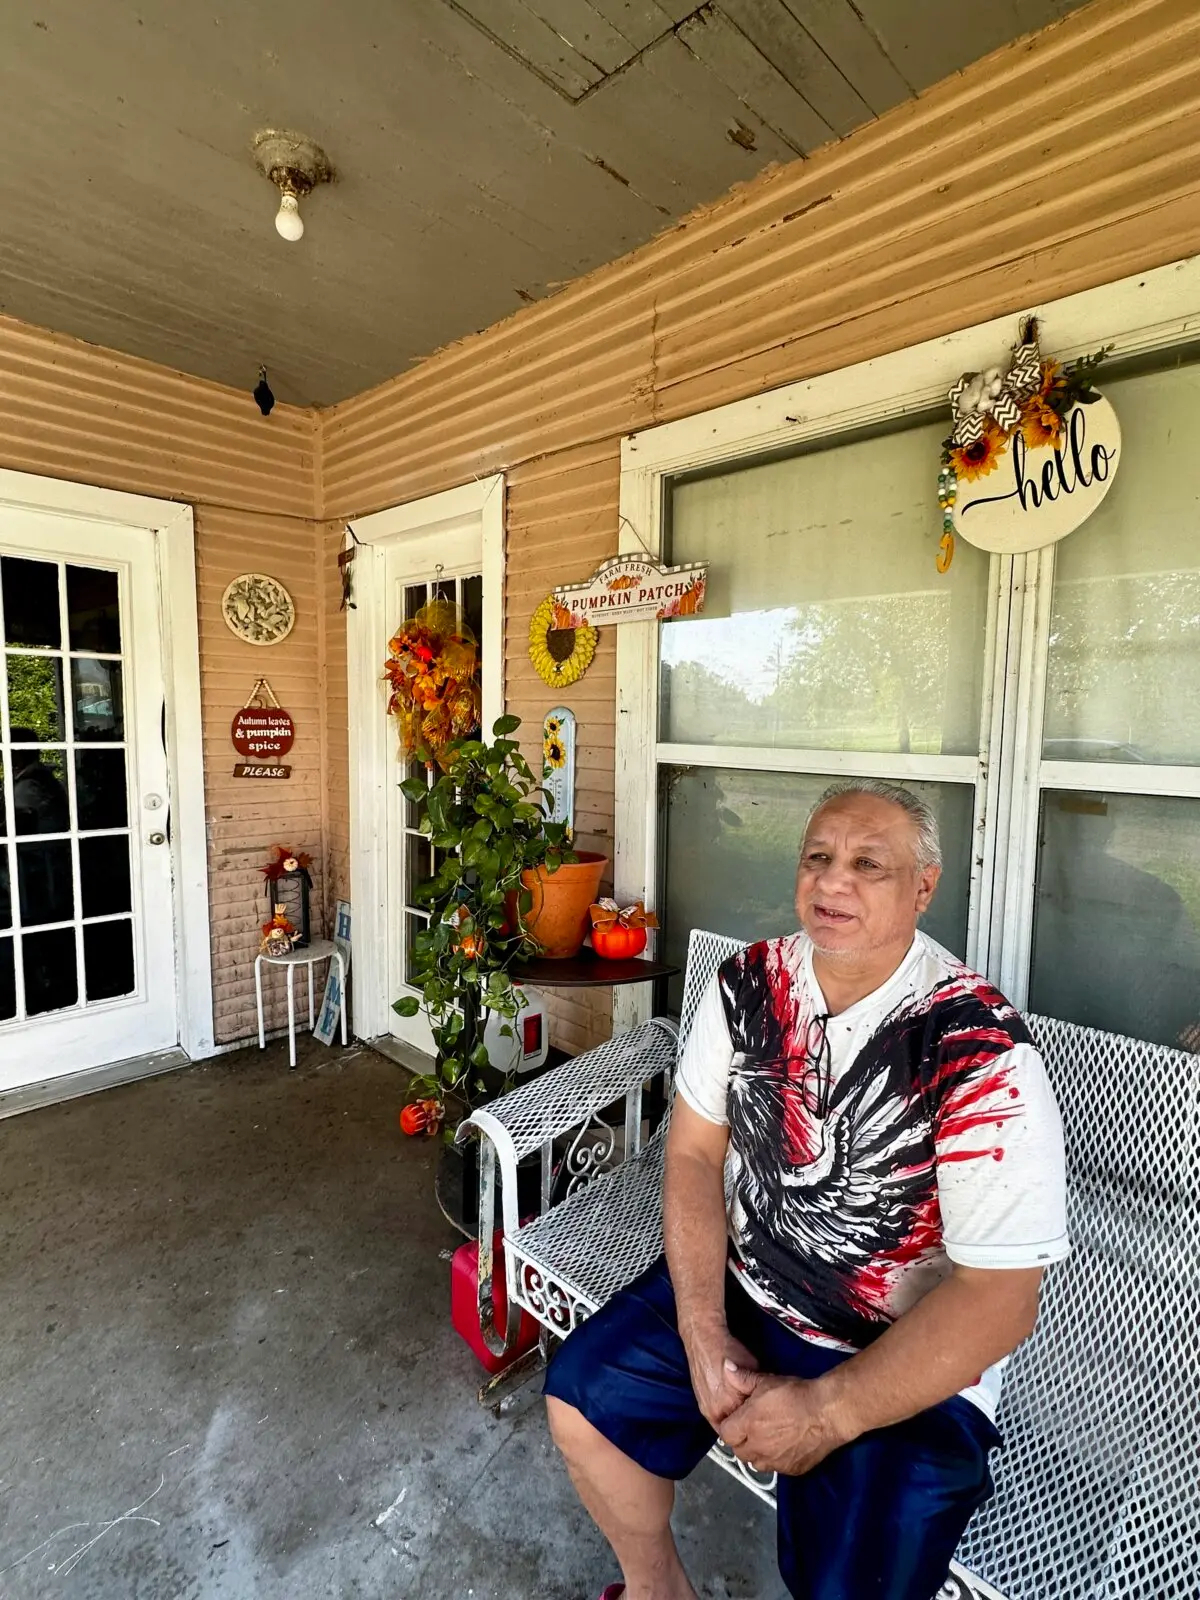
pixel 1098 1488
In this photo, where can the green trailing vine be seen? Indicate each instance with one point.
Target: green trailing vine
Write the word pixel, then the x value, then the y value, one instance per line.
pixel 485 816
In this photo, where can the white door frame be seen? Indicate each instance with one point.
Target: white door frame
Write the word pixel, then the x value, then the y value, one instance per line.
pixel 173 526
pixel 373 771
pixel 1149 311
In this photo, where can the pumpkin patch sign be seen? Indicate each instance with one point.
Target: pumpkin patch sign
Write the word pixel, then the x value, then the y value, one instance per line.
pixel 631 589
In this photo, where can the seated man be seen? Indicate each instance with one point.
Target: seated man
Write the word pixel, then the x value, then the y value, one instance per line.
pixel 896 1186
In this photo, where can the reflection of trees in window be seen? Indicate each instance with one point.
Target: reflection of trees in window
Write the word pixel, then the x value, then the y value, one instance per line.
pixel 1124 662
pixel 695 697
pixel 867 673
pixel 33 695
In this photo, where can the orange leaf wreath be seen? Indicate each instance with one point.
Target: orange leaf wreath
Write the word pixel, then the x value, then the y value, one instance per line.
pixel 431 668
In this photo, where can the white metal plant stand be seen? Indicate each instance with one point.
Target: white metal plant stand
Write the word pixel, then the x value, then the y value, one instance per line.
pixel 318 950
pixel 1098 1489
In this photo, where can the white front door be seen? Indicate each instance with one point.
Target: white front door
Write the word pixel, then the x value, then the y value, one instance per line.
pixel 410 854
pixel 87 946
pixel 447 546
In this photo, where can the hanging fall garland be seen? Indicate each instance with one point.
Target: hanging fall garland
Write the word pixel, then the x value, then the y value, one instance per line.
pixel 560 653
pixel 432 668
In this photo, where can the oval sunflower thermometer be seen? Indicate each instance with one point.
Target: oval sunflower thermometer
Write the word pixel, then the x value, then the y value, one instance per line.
pixel 558 762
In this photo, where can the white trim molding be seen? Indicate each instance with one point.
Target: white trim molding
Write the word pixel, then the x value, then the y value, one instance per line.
pixel 173 526
pixel 459 525
pixel 1149 312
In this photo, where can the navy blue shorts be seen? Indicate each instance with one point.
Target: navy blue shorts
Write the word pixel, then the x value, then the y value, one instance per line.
pixel 878 1519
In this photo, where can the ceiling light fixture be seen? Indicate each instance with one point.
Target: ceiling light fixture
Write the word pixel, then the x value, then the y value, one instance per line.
pixel 295 165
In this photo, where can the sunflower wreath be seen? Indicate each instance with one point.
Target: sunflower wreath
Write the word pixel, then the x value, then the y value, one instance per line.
pixel 560 653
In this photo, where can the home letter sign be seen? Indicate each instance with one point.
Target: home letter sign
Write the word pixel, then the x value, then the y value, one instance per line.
pixel 1034 497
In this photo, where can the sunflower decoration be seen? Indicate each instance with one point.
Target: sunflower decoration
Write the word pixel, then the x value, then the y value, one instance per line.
pixel 981 456
pixel 432 670
pixel 560 652
pixel 554 750
pixel 1032 398
pixel 1041 422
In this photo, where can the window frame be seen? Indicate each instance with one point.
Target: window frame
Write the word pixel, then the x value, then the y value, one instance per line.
pixel 1135 316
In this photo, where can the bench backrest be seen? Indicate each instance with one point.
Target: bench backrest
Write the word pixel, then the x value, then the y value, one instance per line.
pixel 706 952
pixel 1098 1488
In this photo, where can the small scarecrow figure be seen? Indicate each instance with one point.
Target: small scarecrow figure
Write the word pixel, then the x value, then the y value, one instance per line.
pixel 278 934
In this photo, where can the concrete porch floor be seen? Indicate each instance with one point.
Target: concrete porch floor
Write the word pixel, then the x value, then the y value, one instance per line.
pixel 227 1370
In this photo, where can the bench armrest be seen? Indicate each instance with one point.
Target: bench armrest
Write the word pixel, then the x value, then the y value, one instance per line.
pixel 522 1120
pixel 530 1117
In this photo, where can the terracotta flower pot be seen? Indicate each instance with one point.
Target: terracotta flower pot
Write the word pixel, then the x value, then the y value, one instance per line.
pixel 558 918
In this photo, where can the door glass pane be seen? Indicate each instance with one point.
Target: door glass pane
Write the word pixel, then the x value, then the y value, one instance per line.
pixel 1123 680
pixel 419 865
pixel 100 788
pixel 96 693
pixel 44 874
pixel 826 625
pixel 413 925
pixel 93 615
pixel 36 713
pixel 472 602
pixel 108 959
pixel 31 613
pixel 40 798
pixel 8 985
pixel 104 875
pixel 1116 933
pixel 732 842
pixel 414 769
pixel 51 981
pixel 59 691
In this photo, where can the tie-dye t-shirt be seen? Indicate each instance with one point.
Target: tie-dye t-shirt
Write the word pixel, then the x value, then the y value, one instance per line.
pixel 925 1133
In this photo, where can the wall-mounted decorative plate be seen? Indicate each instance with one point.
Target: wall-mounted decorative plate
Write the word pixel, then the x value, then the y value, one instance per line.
pixel 258 609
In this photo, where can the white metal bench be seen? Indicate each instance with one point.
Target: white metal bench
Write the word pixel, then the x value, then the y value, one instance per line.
pixel 1098 1488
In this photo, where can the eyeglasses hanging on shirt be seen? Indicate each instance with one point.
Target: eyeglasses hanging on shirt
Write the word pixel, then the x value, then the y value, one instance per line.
pixel 812 1072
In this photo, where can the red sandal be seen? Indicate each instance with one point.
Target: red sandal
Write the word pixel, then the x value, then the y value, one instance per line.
pixel 613 1592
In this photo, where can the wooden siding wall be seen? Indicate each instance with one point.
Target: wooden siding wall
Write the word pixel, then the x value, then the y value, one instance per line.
pixel 1059 163
pixel 69 410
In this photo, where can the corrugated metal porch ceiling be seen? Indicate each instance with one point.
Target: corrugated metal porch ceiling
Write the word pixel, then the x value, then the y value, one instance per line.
pixel 486 149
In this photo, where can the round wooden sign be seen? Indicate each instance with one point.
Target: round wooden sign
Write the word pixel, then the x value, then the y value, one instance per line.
pixel 262 733
pixel 1034 497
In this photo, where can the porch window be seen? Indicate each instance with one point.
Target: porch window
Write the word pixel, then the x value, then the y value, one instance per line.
pixel 1043 704
pixel 1117 893
pixel 829 646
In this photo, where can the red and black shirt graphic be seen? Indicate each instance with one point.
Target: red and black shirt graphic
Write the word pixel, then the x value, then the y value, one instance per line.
pixel 870 1150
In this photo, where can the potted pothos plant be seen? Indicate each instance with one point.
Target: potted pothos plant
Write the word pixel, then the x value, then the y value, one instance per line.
pixel 486 817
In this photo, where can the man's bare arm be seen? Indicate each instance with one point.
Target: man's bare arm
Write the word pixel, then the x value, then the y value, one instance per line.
pixel 939 1347
pixel 694 1231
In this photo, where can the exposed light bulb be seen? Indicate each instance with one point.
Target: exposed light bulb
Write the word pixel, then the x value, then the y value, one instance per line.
pixel 289 224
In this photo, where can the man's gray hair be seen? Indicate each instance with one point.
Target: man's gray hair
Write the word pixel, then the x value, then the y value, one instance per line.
pixel 929 844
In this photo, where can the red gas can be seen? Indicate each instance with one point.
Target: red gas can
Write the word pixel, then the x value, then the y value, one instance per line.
pixel 464 1307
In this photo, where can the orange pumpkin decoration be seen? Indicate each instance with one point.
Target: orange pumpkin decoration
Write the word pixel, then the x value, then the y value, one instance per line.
pixel 615 942
pixel 421 1116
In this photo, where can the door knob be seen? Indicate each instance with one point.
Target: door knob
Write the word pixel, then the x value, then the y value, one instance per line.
pixel 158 838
